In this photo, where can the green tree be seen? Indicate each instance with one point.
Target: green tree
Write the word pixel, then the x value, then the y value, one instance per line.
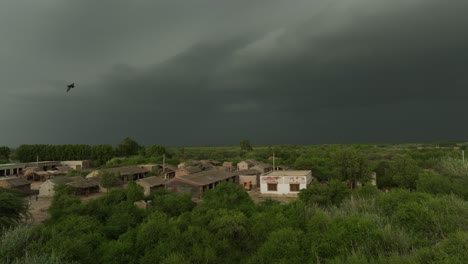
pixel 172 204
pixel 352 166
pixel 63 202
pixel 155 151
pixel 128 147
pixel 5 153
pixel 108 179
pixel 324 195
pixel 245 145
pixel 404 172
pixel 13 208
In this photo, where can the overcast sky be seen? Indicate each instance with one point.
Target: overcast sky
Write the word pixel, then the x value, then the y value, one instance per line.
pixel 211 72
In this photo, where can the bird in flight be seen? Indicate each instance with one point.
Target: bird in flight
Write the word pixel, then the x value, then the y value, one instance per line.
pixel 70 86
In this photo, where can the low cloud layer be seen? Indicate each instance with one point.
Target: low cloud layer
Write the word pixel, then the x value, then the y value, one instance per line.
pixel 209 72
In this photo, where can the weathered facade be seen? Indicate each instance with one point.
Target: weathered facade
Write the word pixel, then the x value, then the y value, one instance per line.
pixel 285 182
pixel 151 184
pixel 249 178
pixel 12 169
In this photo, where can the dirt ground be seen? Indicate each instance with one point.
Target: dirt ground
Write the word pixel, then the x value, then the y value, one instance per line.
pixel 257 197
pixel 38 208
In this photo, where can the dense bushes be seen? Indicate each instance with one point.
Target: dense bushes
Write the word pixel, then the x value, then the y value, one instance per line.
pixel 362 226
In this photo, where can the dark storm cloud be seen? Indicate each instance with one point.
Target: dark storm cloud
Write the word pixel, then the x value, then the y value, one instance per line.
pixel 349 71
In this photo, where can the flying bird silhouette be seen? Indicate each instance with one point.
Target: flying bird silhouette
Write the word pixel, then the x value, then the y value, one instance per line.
pixel 70 86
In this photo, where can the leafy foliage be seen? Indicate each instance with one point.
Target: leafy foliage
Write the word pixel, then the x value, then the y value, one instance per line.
pixel 108 179
pixel 128 147
pixel 13 208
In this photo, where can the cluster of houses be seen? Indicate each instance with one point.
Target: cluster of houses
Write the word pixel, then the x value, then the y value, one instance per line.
pixel 20 175
pixel 194 177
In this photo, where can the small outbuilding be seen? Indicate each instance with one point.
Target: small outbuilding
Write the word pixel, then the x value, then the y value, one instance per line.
pixel 16 183
pixel 47 188
pixel 200 182
pixel 151 184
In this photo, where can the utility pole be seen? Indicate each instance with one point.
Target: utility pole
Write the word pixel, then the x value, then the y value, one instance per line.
pixel 164 165
pixel 37 161
pixel 274 162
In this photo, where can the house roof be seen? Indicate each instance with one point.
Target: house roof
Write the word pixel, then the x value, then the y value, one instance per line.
pixel 206 177
pixel 151 181
pixel 124 171
pixel 263 166
pixel 169 168
pixel 289 173
pixel 211 162
pixel 193 169
pixel 251 162
pixel 65 180
pixel 16 182
pixel 83 184
pixel 248 172
pixel 63 168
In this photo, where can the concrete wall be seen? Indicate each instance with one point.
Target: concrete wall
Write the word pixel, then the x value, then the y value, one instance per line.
pixel 77 164
pixel 247 178
pixel 182 187
pixel 46 189
pixel 243 165
pixel 11 169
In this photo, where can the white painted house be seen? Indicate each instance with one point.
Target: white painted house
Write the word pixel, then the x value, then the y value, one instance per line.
pixel 288 182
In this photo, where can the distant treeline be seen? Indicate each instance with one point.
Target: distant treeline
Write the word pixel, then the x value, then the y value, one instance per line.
pixel 100 153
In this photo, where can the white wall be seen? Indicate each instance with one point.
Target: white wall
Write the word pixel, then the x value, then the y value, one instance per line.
pixel 283 183
pixel 242 165
pixel 46 189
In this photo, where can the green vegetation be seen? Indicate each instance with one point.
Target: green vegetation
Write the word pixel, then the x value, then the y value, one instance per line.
pixel 423 218
pixel 357 226
pixel 13 208
pixel 108 179
pixel 4 154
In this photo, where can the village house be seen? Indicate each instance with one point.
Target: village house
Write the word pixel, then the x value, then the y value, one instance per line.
pixel 129 173
pixel 11 169
pixel 246 164
pixel 47 188
pixel 16 183
pixel 167 171
pixel 249 178
pixel 287 183
pixel 151 184
pixel 85 186
pixel 198 183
